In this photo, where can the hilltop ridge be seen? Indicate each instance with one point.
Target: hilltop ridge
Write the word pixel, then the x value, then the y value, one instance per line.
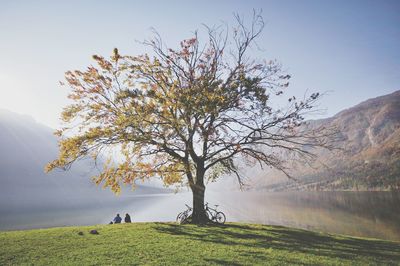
pixel 369 157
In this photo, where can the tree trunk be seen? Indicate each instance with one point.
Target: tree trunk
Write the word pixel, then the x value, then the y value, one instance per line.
pixel 199 215
pixel 198 189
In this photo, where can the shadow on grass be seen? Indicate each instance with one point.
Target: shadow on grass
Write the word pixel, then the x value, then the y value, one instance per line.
pixel 221 262
pixel 282 238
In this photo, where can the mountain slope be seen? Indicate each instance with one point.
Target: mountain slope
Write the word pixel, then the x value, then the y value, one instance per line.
pixel 369 156
pixel 26 147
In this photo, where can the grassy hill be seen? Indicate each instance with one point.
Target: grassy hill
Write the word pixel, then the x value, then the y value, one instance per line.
pixel 172 244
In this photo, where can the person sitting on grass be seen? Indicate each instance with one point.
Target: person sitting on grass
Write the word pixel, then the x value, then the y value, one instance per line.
pixel 117 219
pixel 127 218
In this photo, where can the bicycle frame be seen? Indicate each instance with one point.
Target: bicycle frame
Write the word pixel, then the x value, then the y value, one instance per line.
pixel 213 214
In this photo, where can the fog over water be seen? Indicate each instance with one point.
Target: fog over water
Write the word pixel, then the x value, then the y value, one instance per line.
pixel 367 214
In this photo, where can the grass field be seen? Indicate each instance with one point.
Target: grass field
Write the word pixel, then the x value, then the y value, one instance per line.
pixel 172 244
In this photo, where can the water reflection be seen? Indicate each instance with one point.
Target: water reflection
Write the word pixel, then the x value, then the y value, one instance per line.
pixel 368 214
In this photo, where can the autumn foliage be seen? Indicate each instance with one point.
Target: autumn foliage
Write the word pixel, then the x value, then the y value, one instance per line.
pixel 184 115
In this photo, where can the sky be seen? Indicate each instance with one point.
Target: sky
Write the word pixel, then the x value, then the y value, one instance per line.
pixel 348 49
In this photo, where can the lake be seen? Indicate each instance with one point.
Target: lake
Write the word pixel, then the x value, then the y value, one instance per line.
pixel 366 214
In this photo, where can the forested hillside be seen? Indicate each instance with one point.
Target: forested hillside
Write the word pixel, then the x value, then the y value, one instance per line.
pixel 368 155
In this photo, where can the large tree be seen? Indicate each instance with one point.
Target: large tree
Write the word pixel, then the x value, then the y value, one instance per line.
pixel 186 115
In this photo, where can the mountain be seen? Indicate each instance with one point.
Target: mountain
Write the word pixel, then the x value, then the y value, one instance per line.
pixel 25 148
pixel 368 157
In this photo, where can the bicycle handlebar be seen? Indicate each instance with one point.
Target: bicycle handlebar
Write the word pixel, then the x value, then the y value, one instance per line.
pixel 206 205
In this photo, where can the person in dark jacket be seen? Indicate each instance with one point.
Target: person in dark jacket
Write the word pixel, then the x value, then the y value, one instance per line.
pixel 127 218
pixel 117 219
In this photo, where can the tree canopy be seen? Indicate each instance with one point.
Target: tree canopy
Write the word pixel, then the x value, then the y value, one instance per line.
pixel 187 114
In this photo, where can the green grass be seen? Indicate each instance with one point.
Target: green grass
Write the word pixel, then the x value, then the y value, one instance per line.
pixel 172 244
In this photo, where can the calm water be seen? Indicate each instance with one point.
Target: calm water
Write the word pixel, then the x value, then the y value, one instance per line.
pixel 368 214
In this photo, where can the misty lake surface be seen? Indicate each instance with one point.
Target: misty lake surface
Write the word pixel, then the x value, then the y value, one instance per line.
pixel 366 214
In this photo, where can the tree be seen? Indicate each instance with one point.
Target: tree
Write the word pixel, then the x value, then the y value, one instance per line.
pixel 185 115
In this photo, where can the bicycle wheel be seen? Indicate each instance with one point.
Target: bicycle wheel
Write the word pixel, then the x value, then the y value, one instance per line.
pixel 209 215
pixel 178 218
pixel 182 219
pixel 220 218
pixel 185 218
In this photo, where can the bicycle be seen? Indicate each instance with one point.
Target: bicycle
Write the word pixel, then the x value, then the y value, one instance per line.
pixel 214 215
pixel 183 217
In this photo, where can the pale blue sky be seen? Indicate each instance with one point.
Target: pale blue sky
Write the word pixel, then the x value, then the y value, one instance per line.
pixel 349 48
